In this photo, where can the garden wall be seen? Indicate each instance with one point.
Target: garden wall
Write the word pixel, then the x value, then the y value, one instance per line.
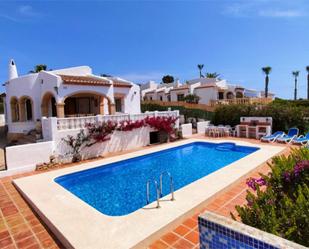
pixel 23 158
pixel 120 141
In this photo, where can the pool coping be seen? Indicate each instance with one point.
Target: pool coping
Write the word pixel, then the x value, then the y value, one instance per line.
pixel 79 225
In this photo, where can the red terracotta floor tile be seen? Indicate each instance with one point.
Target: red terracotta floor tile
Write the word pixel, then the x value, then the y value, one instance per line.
pixel 26 242
pixel 170 238
pixel 181 230
pixel 20 226
pixel 190 223
pixel 6 242
pixel 183 244
pixel 158 245
pixel 193 237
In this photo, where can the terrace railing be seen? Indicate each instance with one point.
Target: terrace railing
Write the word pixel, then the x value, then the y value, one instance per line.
pixel 51 126
pixel 241 101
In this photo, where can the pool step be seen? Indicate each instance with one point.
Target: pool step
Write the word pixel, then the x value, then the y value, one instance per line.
pixel 159 189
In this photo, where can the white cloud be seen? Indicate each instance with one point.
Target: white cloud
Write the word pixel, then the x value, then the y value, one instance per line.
pixel 281 13
pixel 8 17
pixel 19 14
pixel 263 8
pixel 27 11
pixel 142 77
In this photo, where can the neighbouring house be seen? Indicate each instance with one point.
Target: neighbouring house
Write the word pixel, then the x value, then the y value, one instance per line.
pixel 154 91
pixel 208 89
pixel 69 92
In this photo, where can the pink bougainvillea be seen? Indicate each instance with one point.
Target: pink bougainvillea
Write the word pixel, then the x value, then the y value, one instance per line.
pixel 165 124
pixel 101 132
pixel 129 125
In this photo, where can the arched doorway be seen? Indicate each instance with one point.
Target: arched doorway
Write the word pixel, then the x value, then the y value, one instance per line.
pixel 229 95
pixel 48 106
pixel 26 108
pixel 14 109
pixel 86 104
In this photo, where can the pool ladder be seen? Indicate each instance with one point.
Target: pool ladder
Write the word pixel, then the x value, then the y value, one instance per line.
pixel 159 189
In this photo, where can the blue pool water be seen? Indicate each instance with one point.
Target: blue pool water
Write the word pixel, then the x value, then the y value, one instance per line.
pixel 120 188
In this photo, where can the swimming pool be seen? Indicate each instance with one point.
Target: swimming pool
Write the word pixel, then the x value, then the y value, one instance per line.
pixel 119 188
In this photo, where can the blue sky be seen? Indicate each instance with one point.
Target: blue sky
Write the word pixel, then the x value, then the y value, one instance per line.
pixel 143 40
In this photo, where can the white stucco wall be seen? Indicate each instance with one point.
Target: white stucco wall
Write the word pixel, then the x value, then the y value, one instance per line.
pixel 22 158
pixel 201 127
pixel 186 130
pixel 177 92
pixel 132 98
pixel 2 119
pixel 206 94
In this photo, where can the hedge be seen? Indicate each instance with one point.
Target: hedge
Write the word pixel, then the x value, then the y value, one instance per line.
pixel 285 114
pixel 188 113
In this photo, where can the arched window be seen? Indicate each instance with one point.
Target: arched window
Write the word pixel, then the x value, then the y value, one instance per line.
pixel 14 109
pixel 229 95
pixel 26 109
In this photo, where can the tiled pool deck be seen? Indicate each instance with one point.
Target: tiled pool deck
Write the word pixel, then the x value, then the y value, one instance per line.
pixel 20 227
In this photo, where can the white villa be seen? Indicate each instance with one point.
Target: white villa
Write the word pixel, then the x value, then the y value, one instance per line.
pixel 69 92
pixel 208 89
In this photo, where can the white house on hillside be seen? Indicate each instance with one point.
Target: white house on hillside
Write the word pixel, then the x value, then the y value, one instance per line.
pixel 208 89
pixel 69 92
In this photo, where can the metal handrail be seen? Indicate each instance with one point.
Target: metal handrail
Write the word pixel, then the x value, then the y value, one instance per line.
pixel 171 184
pixel 148 192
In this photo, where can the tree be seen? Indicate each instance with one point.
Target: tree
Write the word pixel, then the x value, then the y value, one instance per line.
pixel 200 67
pixel 266 71
pixel 192 98
pixel 212 75
pixel 307 68
pixel 167 79
pixel 295 74
pixel 105 75
pixel 39 68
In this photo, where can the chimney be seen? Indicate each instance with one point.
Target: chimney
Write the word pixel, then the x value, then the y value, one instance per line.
pixel 12 70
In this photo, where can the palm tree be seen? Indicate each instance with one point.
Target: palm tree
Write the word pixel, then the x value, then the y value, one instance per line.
pixel 212 75
pixel 295 74
pixel 307 68
pixel 266 71
pixel 38 68
pixel 200 67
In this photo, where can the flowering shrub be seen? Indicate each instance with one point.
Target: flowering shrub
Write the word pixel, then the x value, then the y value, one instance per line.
pixel 102 131
pixel 282 208
pixel 165 124
pixel 129 125
pixel 76 145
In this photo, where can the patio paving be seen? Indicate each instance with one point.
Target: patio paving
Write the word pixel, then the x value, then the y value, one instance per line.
pixel 21 228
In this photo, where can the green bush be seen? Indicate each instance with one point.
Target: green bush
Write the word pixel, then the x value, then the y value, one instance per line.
pixel 282 208
pixel 285 114
pixel 188 113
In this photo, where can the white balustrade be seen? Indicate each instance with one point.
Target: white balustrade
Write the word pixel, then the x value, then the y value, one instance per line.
pixel 81 122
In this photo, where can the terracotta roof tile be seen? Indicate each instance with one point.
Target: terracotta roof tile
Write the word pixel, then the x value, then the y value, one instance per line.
pixel 118 83
pixel 180 88
pixel 84 80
